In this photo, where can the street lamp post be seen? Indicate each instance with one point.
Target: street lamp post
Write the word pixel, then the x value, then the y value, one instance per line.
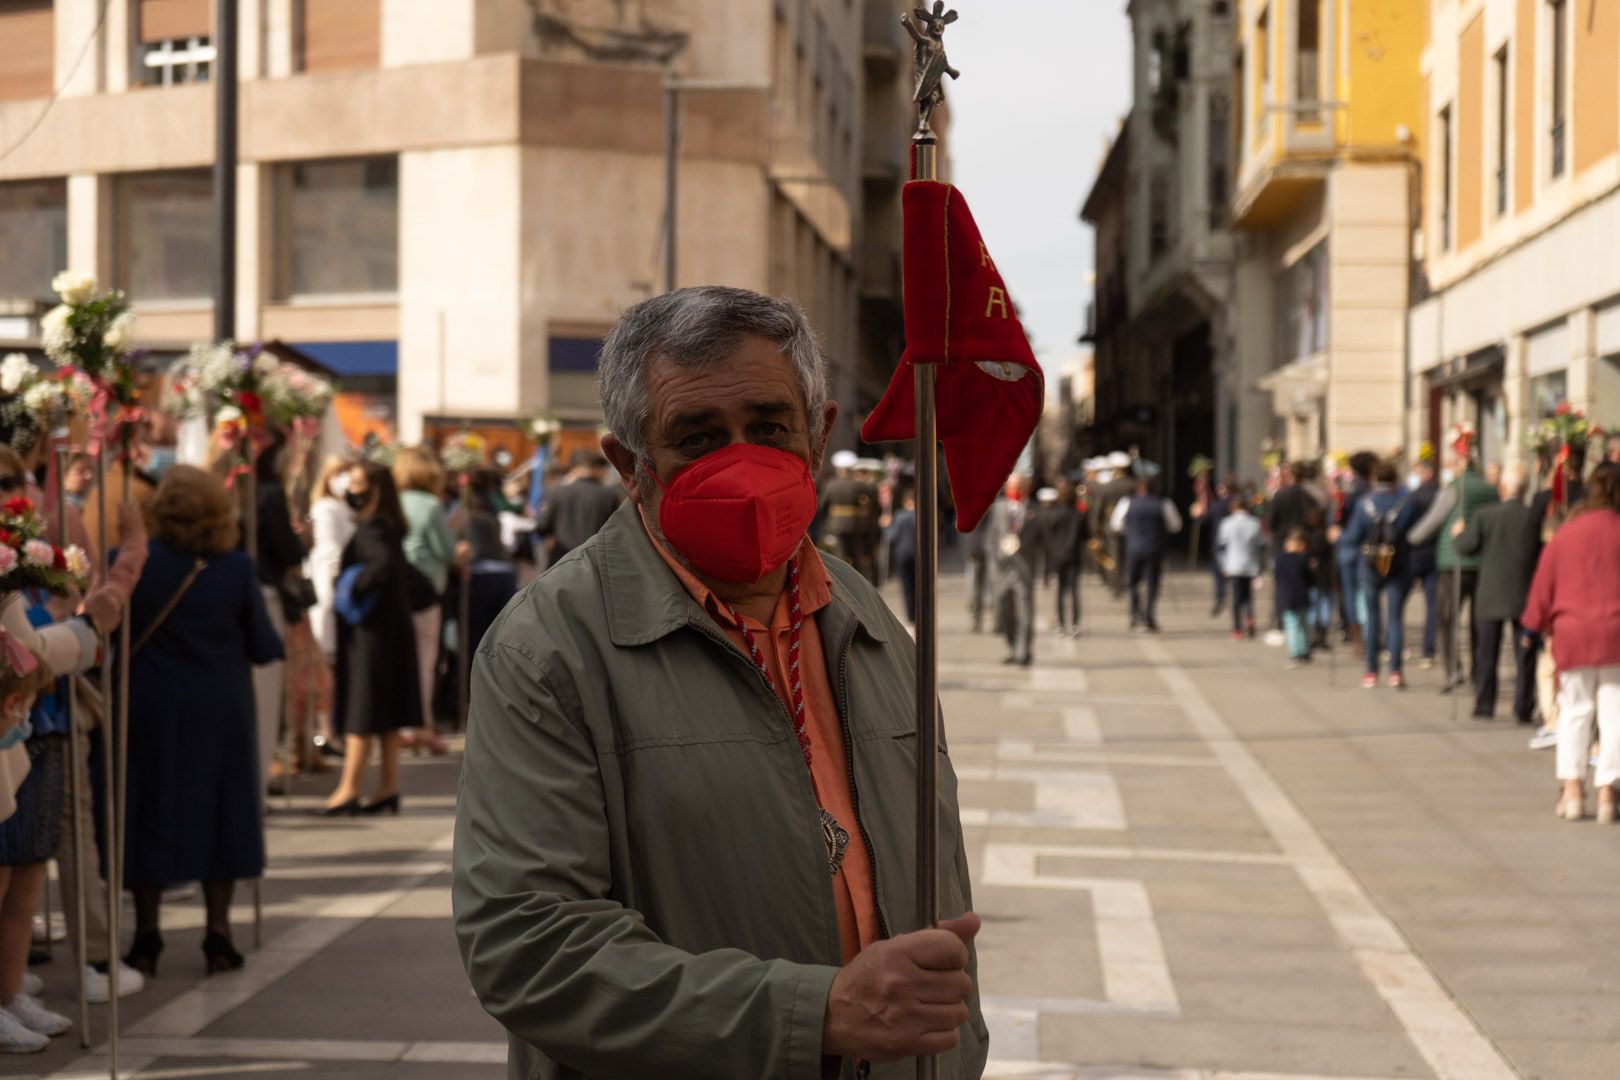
pixel 225 48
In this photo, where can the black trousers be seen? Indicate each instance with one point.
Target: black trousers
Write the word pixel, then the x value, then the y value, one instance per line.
pixel 1242 602
pixel 1487 652
pixel 1143 569
pixel 1068 595
pixel 905 568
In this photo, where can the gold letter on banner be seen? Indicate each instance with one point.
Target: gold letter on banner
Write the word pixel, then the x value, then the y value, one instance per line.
pixel 998 299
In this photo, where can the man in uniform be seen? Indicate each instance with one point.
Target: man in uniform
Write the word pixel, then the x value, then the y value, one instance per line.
pixel 849 503
pixel 685 832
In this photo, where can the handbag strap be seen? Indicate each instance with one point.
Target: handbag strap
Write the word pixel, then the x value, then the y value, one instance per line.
pixel 168 609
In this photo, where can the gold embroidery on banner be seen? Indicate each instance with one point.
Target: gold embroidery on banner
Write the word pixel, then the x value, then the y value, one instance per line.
pixel 997 299
pixel 985 259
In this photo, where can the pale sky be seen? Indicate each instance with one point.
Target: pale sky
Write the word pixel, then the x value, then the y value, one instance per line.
pixel 1044 83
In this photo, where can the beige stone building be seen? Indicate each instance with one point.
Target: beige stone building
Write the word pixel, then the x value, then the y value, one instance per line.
pixel 1519 244
pixel 1327 136
pixel 460 193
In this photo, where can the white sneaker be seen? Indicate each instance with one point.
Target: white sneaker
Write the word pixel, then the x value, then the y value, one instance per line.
pixel 16 1039
pixel 98 987
pixel 32 984
pixel 57 931
pixel 1545 738
pixel 35 1017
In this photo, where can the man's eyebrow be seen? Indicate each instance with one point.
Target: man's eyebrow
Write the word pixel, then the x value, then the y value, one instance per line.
pixel 768 408
pixel 696 418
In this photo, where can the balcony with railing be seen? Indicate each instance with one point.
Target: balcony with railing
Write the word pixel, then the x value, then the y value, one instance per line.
pixel 883 41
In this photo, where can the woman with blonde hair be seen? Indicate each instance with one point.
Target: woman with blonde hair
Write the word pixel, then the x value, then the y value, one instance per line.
pixel 430 548
pixel 194 803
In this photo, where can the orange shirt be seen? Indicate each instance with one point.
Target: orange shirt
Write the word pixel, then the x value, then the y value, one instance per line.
pixel 853 894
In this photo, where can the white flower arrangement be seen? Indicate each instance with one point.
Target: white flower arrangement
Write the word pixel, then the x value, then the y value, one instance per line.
pixel 116 336
pixel 55 336
pixel 78 563
pixel 16 372
pixel 74 286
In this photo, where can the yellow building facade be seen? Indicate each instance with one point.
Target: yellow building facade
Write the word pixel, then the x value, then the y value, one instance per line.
pixel 1520 245
pixel 1327 140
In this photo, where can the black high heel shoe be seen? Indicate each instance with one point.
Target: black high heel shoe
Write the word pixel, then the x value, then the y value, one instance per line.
pixel 144 952
pixel 342 809
pixel 221 954
pixel 389 805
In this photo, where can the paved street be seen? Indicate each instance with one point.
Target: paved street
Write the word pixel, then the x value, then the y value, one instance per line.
pixel 1192 863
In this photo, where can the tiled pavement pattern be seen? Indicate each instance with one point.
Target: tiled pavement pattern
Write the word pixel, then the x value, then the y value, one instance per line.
pixel 1192 865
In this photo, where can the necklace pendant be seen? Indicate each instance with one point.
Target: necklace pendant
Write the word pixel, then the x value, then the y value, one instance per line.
pixel 837 841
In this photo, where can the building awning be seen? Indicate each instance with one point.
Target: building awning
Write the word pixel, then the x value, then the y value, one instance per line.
pixel 355 359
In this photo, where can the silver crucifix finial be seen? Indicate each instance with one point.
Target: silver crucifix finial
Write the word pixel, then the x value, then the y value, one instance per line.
pixel 927 29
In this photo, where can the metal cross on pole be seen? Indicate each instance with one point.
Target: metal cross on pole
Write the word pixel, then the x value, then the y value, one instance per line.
pixel 927 30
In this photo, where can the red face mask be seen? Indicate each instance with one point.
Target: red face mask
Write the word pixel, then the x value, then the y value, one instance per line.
pixel 738 513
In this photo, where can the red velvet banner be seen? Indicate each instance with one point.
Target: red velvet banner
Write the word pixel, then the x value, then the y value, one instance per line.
pixel 989 390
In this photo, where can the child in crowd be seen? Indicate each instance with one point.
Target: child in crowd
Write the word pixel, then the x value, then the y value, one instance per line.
pixel 1293 576
pixel 1237 546
pixel 80 480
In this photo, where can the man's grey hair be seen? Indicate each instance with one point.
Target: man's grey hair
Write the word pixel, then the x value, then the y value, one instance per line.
pixel 694 327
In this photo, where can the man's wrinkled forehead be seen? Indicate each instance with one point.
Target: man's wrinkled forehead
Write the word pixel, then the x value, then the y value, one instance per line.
pixel 752 375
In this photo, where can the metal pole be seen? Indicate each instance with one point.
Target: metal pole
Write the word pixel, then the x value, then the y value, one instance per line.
pixel 672 146
pixel 125 638
pixel 924 166
pixel 464 643
pixel 250 541
pixel 225 116
pixel 76 777
pixel 113 810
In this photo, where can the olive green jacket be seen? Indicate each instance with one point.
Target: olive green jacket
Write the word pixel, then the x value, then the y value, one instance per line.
pixel 640 879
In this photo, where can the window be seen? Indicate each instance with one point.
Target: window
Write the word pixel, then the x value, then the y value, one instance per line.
pixel 338 227
pixel 1558 73
pixel 174 45
pixel 1262 45
pixel 164 228
pixel 1307 67
pixel 27 49
pixel 1158 215
pixel 33 234
pixel 1220 145
pixel 338 35
pixel 1240 94
pixel 1501 68
pixel 1445 178
pixel 1302 306
pixel 1547 392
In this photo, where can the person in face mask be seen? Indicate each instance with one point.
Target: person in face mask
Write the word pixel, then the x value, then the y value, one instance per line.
pixel 690 759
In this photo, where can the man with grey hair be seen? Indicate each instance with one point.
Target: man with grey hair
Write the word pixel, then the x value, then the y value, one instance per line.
pixel 1503 537
pixel 686 828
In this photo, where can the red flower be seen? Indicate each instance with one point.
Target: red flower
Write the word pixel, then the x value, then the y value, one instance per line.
pixel 249 402
pixel 18 505
pixel 1563 408
pixel 8 538
pixel 58 559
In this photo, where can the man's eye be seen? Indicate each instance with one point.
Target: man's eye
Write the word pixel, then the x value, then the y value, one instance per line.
pixel 693 442
pixel 770 430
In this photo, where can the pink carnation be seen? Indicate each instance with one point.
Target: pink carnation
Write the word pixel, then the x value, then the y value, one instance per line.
pixel 8 559
pixel 39 553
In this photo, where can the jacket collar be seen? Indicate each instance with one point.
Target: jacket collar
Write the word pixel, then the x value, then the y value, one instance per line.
pixel 644 601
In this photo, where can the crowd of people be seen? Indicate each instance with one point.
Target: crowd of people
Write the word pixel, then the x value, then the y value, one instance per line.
pixel 1501 558
pixel 307 621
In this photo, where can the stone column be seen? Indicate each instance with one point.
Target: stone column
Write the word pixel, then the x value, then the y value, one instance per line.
pixel 89 225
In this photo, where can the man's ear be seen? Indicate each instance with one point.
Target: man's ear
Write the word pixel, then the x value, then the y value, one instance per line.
pixel 829 414
pixel 624 462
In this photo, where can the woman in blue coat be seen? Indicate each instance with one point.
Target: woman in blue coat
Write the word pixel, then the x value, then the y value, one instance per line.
pixel 195 805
